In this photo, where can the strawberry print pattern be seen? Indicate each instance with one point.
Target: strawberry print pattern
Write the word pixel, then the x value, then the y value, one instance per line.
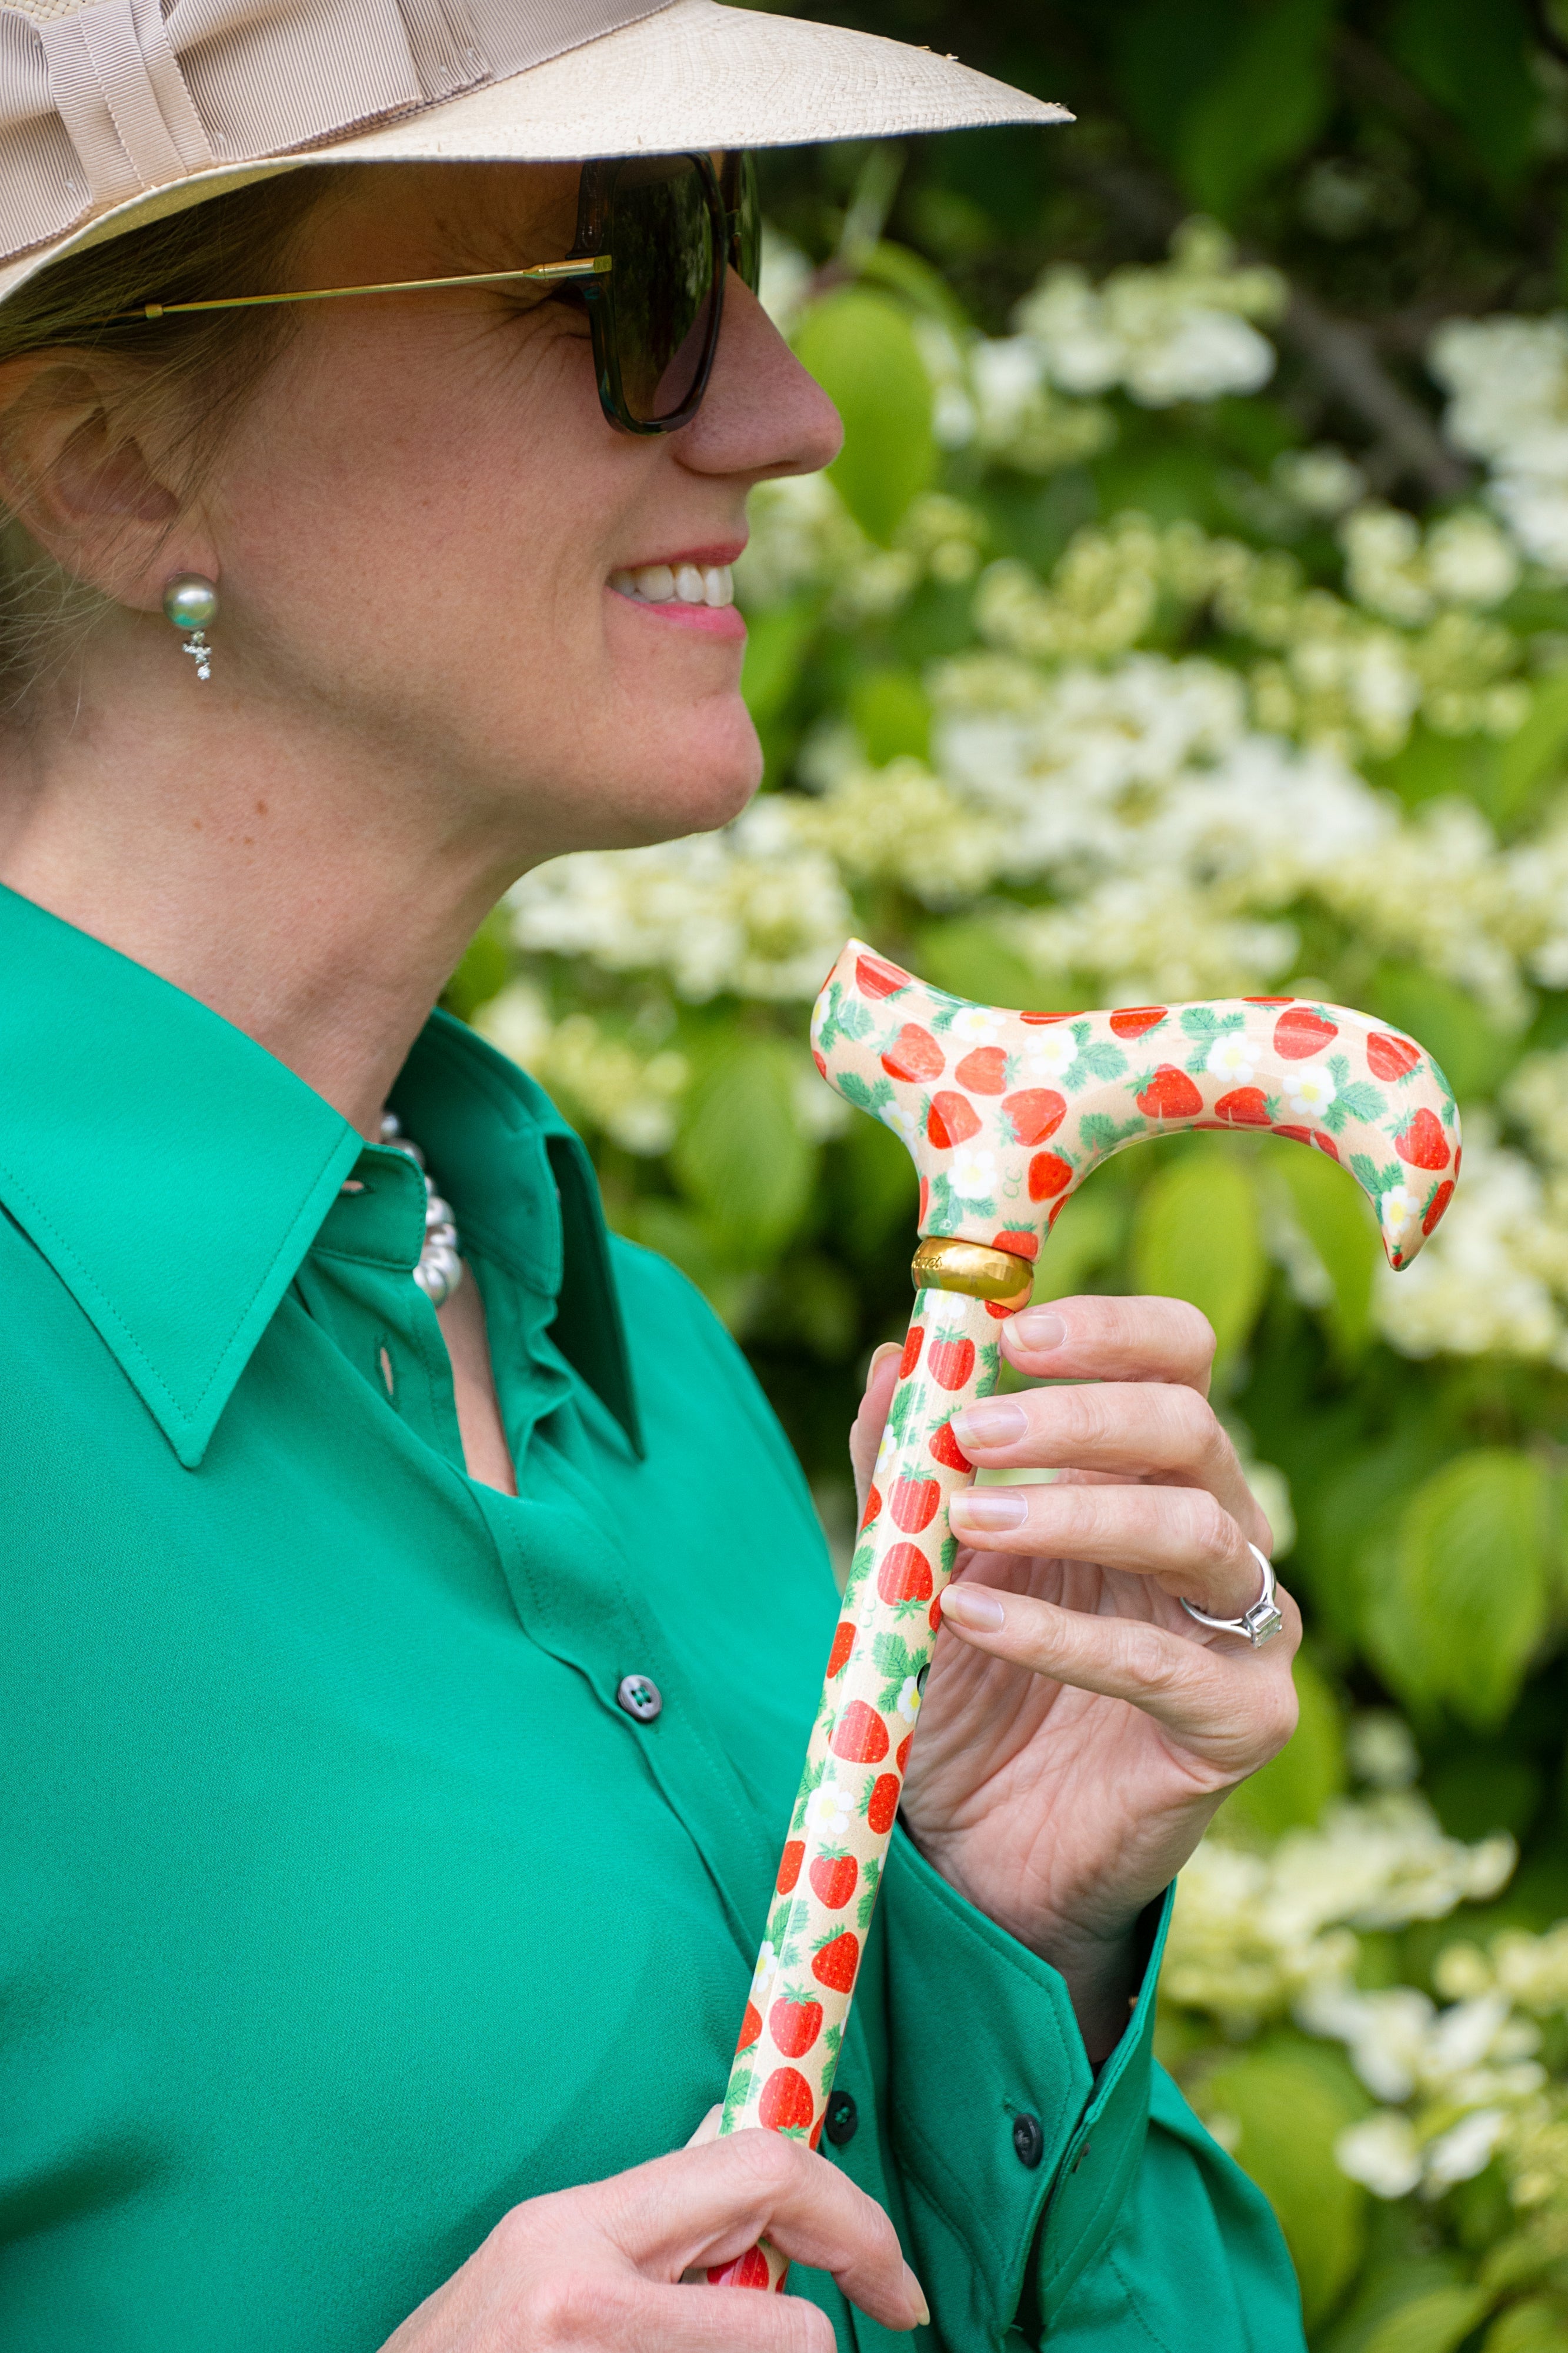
pixel 1006 1115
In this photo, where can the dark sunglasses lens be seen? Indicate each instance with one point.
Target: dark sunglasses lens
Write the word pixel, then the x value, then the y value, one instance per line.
pixel 746 224
pixel 661 235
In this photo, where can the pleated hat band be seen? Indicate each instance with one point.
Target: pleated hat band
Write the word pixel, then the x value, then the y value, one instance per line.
pixel 101 103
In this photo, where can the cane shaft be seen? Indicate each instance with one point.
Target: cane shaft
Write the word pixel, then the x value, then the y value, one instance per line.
pixel 858 1751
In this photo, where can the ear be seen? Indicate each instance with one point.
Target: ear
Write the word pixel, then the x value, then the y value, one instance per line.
pixel 77 473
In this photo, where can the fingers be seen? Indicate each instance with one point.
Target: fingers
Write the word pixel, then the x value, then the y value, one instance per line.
pixel 708 2128
pixel 1233 1706
pixel 707 2205
pixel 881 1380
pixel 1096 1339
pixel 584 2307
pixel 1125 1430
pixel 1179 1536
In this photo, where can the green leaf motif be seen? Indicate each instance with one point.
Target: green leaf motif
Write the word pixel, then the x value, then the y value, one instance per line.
pixel 1360 1099
pixel 864 1097
pixel 1456 1622
pixel 1100 1060
pixel 1102 1135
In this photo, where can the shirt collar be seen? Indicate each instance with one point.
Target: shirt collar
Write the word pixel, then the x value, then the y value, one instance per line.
pixel 174 1174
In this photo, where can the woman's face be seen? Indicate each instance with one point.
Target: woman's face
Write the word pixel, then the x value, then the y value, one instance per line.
pixel 423 524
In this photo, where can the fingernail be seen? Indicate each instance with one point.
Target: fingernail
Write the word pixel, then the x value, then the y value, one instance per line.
pixel 880 1355
pixel 991 1421
pixel 989 1507
pixel 916 2296
pixel 973 1605
pixel 1039 1327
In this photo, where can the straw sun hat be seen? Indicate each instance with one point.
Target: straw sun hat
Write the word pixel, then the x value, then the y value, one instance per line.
pixel 117 112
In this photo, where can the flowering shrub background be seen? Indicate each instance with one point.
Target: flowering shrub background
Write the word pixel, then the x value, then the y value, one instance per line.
pixel 1188 615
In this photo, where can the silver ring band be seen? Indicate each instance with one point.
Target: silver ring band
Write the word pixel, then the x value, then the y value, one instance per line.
pixel 1258 1625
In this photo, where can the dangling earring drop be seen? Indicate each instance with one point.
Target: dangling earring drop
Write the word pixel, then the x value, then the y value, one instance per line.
pixel 191 603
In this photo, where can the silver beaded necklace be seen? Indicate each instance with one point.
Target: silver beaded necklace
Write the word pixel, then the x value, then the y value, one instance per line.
pixel 440 1269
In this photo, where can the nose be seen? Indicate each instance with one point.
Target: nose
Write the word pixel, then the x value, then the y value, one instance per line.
pixel 763 415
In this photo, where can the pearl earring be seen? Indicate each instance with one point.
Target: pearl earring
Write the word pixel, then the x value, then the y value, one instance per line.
pixel 190 602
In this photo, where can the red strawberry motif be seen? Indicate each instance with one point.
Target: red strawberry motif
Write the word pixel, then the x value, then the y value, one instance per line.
pixel 1422 1142
pixel 1048 1174
pixel 950 1121
pixel 821 1061
pixel 902 1759
pixel 1133 1020
pixel 1040 1020
pixel 838 1961
pixel 751 2027
pixel 882 1804
pixel 915 1503
pixel 1017 1239
pixel 924 1204
pixel 934 1615
pixel 1391 1058
pixel 1244 1107
pixel 1296 1134
pixel 914 1054
pixel 951 1363
pixel 912 1355
pixel 1269 1000
pixel 832 1876
pixel 786 2104
pixel 873 1505
pixel 789 1865
pixel 877 978
pixel 1056 1209
pixel 1437 1204
pixel 946 1449
pixel 749 2270
pixel 1326 1144
pixel 1169 1094
pixel 860 1735
pixel 1301 1033
pixel 983 1072
pixel 904 1575
pixel 1035 1113
pixel 795 2025
pixel 843 1643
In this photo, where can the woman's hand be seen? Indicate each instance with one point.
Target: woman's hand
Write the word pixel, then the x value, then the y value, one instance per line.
pixel 600 2269
pixel 1078 1729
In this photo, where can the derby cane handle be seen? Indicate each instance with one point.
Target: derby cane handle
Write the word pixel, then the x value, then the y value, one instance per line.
pixel 1005 1114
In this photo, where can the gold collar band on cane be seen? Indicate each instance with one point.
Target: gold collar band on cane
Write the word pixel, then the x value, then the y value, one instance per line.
pixel 943 1263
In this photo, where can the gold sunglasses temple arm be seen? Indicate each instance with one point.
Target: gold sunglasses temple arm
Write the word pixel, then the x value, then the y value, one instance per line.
pixel 544 273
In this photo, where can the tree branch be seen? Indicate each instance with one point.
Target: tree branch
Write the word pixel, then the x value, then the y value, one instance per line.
pixel 1342 357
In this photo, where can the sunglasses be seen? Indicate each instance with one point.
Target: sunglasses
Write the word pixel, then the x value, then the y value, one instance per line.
pixel 657 239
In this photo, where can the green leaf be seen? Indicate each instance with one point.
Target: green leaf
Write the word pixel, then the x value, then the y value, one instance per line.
pixel 970 957
pixel 1293 1790
pixel 1535 2325
pixel 1437 2322
pixel 861 349
pixel 1262 109
pixel 1335 1217
pixel 1291 2101
pixel 1196 1237
pixel 740 1156
pixel 1475 61
pixel 891 712
pixel 1535 755
pixel 1086 1237
pixel 1457 1617
pixel 777 643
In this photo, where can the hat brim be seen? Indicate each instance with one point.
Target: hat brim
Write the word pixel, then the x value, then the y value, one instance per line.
pixel 693 76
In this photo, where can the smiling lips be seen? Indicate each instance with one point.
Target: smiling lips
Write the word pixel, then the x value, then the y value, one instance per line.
pixel 695 596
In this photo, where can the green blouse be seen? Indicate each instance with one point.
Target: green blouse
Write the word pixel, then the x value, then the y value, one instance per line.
pixel 341 1904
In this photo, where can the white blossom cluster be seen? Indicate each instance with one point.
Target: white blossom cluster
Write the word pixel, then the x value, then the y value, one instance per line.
pixel 750 910
pixel 602 1080
pixel 1508 384
pixel 1254 1935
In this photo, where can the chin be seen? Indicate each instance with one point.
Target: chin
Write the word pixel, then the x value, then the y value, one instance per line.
pixel 690 787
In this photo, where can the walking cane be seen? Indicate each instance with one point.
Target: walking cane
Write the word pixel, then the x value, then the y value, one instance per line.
pixel 1006 1115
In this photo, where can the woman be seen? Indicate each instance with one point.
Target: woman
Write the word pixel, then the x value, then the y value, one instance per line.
pixel 405 1680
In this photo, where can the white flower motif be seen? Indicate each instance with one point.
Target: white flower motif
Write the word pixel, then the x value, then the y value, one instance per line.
pixel 976 1025
pixel 973 1175
pixel 1399 1210
pixel 1310 1089
pixel 764 1973
pixel 909 1699
pixel 827 1810
pixel 1231 1058
pixel 1054 1052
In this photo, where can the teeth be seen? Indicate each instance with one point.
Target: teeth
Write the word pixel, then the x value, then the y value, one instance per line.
pixel 659 583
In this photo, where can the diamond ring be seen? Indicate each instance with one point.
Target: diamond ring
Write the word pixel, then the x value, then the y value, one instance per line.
pixel 1258 1625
